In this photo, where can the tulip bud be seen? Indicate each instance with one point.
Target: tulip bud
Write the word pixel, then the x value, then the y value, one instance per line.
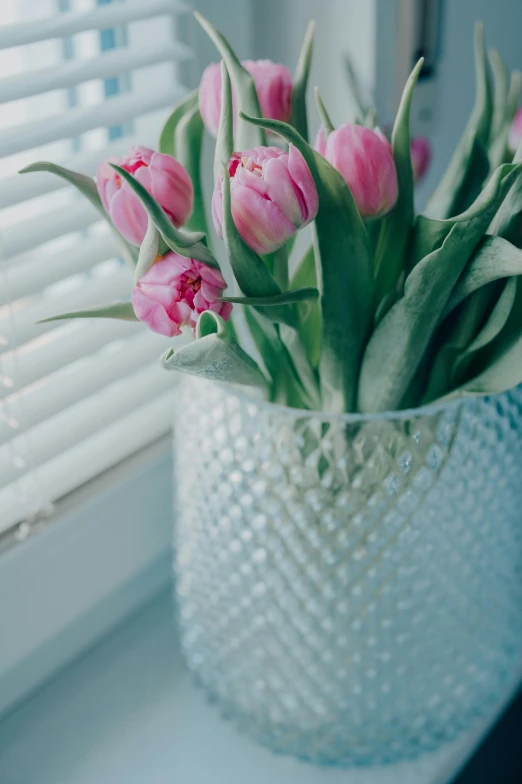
pixel 515 135
pixel 274 90
pixel 420 157
pixel 365 160
pixel 174 292
pixel 272 195
pixel 164 178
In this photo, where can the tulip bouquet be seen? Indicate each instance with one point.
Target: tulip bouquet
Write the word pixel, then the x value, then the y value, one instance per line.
pixel 386 309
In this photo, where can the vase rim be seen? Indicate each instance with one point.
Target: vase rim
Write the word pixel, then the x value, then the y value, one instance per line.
pixel 426 410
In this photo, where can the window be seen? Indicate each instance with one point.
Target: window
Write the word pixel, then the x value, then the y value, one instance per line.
pixel 81 80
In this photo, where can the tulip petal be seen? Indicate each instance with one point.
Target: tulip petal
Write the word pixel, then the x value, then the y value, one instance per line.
pixel 282 191
pixel 259 222
pixel 128 215
pixel 153 314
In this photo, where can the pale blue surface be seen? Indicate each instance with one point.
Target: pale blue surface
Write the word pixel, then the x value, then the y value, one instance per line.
pixel 126 713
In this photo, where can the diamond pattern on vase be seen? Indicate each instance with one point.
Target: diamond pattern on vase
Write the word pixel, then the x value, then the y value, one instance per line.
pixel 349 590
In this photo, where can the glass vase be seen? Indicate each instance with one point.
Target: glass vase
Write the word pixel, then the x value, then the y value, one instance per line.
pixel 349 587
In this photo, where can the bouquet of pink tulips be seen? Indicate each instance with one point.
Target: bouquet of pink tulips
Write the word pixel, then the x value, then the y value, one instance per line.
pixel 386 309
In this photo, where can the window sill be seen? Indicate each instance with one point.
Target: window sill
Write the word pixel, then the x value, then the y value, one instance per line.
pixel 105 552
pixel 127 712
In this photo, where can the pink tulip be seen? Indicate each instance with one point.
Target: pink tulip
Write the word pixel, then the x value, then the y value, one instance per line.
pixel 420 157
pixel 274 90
pixel 515 135
pixel 365 160
pixel 175 291
pixel 272 195
pixel 164 178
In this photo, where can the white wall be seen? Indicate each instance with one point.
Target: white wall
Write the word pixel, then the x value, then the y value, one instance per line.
pixel 454 89
pixel 342 26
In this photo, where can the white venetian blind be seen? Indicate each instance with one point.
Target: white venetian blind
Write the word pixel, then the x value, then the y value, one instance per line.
pixel 79 80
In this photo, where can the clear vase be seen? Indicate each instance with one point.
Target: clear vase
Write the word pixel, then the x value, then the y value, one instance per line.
pixel 349 587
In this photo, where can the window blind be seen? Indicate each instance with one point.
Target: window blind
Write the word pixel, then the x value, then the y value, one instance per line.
pixel 80 80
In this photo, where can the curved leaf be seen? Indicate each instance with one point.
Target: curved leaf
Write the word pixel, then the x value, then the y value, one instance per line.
pixel 115 310
pixel 496 258
pixel 189 146
pixel 87 188
pixel 225 136
pixel 216 355
pixel 498 367
pixel 500 122
pixel 185 243
pixel 395 229
pixel 491 329
pixel 309 314
pixel 344 275
pixel 167 142
pixel 244 86
pixel 148 251
pixel 328 125
pixel 469 164
pixel 285 298
pixel 402 337
pixel 430 233
pixel 364 110
pixel 299 117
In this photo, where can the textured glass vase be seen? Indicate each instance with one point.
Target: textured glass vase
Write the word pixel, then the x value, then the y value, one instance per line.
pixel 349 587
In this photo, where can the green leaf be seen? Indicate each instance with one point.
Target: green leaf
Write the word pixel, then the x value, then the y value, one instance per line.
pixel 396 227
pixel 167 142
pixel 244 86
pixel 300 83
pixel 87 188
pixel 344 275
pixel 302 368
pixel 185 243
pixel 429 233
pixel 404 334
pixel 285 298
pixel 189 145
pixel 496 258
pixel 216 355
pixel 363 109
pixel 507 222
pixel 148 251
pixel 225 136
pixel 309 314
pixel 115 310
pixel 500 122
pixel 328 125
pixel 495 323
pixel 514 93
pixel 251 273
pixel 499 364
pixel 469 165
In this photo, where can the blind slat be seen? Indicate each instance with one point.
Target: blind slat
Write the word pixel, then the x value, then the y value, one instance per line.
pixel 114 63
pixel 75 397
pixel 26 274
pixel 47 226
pixel 76 121
pixel 81 420
pixel 87 375
pixel 58 348
pixel 88 459
pixel 101 18
pixel 24 314
pixel 16 189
